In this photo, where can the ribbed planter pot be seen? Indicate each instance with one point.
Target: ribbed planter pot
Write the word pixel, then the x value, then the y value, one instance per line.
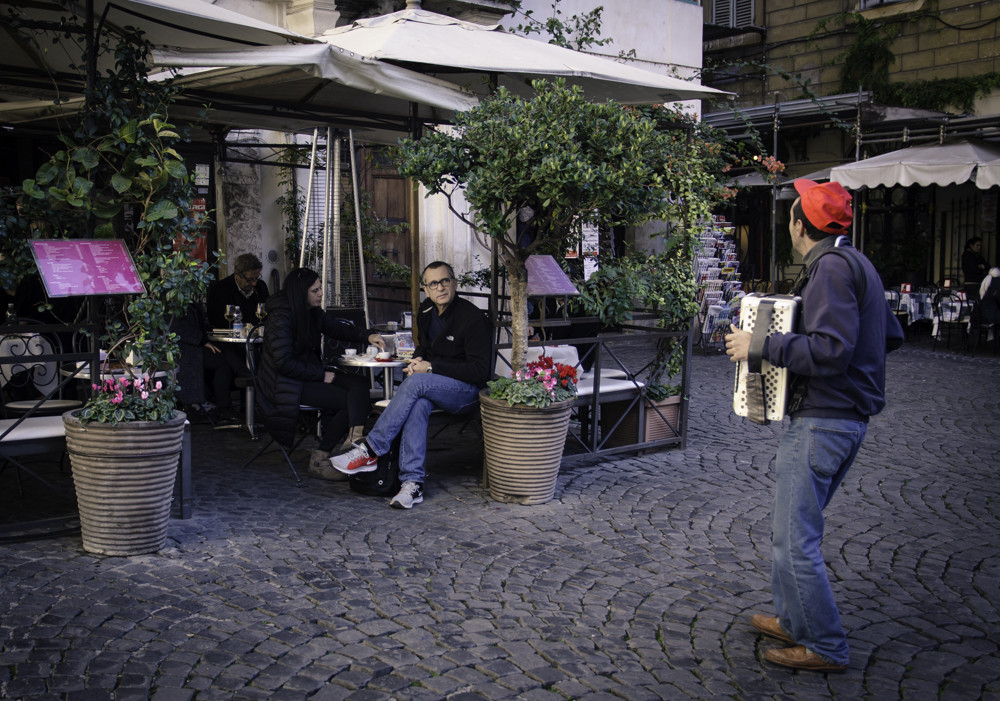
pixel 523 448
pixel 656 427
pixel 124 480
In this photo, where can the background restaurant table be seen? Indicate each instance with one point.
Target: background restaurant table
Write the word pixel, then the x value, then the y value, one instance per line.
pixel 365 361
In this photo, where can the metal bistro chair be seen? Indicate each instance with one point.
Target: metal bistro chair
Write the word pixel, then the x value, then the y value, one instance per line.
pixel 253 350
pixel 29 374
pixel 952 315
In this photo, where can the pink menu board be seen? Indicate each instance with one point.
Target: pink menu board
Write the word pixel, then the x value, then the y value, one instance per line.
pixel 546 277
pixel 86 267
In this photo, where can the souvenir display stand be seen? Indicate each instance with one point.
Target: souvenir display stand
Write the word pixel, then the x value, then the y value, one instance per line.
pixel 720 289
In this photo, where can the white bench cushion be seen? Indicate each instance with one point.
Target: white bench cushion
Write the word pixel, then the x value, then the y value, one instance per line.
pixel 33 428
pixel 585 386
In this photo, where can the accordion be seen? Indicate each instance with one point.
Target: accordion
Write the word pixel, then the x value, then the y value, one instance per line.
pixel 762 391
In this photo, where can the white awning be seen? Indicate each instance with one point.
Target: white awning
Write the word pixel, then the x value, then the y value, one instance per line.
pixel 988 174
pixel 929 164
pixel 438 44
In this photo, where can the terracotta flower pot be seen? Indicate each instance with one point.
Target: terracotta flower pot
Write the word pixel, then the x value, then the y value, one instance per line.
pixel 124 480
pixel 523 448
pixel 655 427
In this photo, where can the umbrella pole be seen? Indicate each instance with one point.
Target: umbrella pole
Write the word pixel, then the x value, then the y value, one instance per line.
pixel 309 189
pixel 326 222
pixel 357 227
pixel 338 194
pixel 414 230
pixel 774 205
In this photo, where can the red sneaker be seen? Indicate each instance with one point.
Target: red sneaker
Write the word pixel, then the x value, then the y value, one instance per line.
pixel 358 458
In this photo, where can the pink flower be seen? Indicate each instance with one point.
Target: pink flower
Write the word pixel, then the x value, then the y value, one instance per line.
pixel 158 387
pixel 145 394
pixel 117 399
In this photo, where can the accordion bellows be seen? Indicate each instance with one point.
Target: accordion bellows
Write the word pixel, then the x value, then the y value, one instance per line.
pixel 777 381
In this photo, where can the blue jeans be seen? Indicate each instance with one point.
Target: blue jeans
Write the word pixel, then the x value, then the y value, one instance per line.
pixel 408 413
pixel 812 460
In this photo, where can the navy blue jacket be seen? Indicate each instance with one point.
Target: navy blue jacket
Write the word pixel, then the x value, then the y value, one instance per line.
pixel 841 352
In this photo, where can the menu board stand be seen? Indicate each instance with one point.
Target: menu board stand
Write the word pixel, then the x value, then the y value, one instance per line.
pixel 546 278
pixel 86 267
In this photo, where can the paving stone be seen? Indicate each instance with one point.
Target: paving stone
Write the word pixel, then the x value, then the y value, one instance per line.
pixel 634 582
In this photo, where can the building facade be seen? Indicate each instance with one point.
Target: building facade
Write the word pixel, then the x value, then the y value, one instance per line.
pixel 826 83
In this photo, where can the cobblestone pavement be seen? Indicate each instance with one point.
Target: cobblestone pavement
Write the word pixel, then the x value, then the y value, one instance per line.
pixel 636 582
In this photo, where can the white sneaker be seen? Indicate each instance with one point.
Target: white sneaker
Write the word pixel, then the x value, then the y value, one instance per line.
pixel 357 459
pixel 409 494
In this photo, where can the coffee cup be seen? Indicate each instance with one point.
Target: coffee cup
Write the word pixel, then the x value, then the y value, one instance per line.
pixel 350 351
pixel 384 355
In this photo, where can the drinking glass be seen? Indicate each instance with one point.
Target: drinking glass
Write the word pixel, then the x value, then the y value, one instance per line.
pixel 230 314
pixel 261 311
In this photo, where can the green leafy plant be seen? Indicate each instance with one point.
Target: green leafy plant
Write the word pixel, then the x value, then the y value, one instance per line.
pixel 657 392
pixel 539 384
pixel 129 399
pixel 120 175
pixel 578 32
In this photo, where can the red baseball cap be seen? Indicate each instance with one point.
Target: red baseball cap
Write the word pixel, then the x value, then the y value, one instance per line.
pixel 827 206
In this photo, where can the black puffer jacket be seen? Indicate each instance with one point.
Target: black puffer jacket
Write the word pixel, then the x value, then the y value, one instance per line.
pixel 285 365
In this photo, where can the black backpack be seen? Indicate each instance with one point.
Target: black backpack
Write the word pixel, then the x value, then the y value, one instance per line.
pixel 384 480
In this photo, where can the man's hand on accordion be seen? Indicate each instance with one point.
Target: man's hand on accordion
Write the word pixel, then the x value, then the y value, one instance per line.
pixel 737 344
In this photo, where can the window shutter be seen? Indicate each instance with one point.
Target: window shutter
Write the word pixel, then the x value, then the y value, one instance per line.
pixel 732 13
pixel 744 13
pixel 722 13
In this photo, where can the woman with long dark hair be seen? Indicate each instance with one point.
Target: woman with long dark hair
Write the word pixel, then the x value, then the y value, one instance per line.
pixel 292 371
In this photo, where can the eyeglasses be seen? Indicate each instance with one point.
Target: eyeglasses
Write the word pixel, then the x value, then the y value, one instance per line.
pixel 249 278
pixel 435 284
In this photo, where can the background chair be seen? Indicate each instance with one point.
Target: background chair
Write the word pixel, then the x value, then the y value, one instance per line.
pixel 29 371
pixel 253 351
pixel 951 316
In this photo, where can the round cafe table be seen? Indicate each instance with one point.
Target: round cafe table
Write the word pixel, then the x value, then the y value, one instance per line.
pixel 229 337
pixel 366 361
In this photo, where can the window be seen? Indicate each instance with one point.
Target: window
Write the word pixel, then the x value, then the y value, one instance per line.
pixel 732 13
pixel 869 4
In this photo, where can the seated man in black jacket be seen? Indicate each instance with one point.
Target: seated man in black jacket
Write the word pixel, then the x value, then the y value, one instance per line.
pixel 244 288
pixel 451 363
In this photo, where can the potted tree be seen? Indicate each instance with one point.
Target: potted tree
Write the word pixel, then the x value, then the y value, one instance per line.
pixel 558 161
pixel 119 175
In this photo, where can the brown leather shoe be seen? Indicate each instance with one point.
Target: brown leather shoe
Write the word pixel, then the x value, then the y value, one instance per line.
pixel 799 657
pixel 769 625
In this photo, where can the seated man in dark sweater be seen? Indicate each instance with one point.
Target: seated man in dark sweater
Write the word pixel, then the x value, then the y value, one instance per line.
pixel 244 288
pixel 451 363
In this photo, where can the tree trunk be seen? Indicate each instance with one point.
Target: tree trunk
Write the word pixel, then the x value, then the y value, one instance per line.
pixel 518 278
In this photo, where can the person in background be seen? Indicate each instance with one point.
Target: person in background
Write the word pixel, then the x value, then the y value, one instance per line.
pixel 244 288
pixel 839 347
pixel 974 266
pixel 199 357
pixel 291 370
pixel 451 363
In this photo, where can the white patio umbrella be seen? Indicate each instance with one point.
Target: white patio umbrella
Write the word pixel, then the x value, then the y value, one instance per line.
pixel 441 45
pixel 40 48
pixel 291 87
pixel 988 174
pixel 929 164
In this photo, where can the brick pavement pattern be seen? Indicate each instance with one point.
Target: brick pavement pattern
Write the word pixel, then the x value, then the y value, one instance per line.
pixel 636 582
